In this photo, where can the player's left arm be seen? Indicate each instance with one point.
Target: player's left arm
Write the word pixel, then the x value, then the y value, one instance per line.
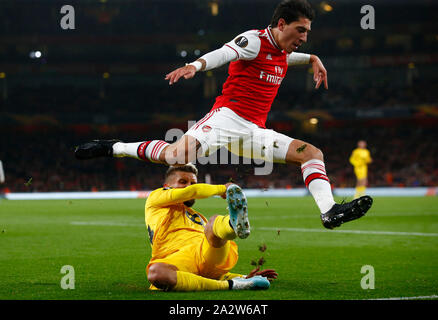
pixel 245 46
pixel 369 159
pixel 211 60
pixel 319 71
pixel 180 195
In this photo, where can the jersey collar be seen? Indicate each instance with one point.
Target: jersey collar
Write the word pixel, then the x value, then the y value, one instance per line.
pixel 271 38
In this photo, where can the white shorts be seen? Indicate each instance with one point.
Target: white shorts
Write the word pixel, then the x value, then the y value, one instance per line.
pixel 222 127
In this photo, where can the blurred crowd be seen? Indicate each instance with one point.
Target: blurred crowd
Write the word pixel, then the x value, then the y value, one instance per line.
pixel 105 80
pixel 148 103
pixel 43 160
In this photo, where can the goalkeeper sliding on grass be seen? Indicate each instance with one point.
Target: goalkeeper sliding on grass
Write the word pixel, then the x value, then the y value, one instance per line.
pixel 189 252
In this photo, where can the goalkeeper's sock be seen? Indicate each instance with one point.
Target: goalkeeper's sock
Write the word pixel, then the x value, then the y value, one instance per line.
pixel 146 150
pixel 222 228
pixel 318 183
pixel 360 191
pixel 186 281
pixel 229 276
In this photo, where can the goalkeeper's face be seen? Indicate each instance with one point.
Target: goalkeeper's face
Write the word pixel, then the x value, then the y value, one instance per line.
pixel 181 179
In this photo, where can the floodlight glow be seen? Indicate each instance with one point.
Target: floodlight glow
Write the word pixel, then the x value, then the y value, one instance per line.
pixel 313 120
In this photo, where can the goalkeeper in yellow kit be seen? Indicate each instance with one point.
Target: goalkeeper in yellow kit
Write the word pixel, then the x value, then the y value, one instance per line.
pixel 189 252
pixel 360 158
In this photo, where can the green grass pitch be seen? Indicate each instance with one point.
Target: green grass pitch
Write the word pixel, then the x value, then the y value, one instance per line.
pixel 106 243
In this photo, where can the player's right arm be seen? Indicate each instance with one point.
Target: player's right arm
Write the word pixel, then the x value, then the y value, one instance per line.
pixel 167 197
pixel 368 158
pixel 245 46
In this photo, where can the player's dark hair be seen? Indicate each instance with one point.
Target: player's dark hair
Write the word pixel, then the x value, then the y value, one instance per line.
pixel 185 168
pixel 292 10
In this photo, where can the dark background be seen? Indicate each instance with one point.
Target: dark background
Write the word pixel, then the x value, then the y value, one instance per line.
pixel 105 79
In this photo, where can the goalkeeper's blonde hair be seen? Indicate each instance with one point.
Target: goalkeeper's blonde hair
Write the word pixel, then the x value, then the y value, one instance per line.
pixel 189 167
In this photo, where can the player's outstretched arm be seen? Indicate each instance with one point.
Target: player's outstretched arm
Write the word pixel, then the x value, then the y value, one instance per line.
pixel 180 195
pixel 208 61
pixel 187 72
pixel 245 46
pixel 319 71
pixel 224 195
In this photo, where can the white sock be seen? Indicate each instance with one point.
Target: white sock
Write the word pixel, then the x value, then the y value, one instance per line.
pixel 144 150
pixel 121 149
pixel 317 182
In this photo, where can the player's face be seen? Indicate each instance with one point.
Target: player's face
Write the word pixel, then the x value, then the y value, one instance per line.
pixel 362 144
pixel 181 179
pixel 292 35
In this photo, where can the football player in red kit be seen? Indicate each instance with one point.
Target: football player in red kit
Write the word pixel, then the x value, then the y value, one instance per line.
pixel 258 62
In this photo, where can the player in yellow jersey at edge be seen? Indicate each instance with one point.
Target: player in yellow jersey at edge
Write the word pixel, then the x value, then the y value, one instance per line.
pixel 360 158
pixel 189 252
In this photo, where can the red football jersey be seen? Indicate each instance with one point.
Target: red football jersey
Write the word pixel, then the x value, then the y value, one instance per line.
pixel 254 78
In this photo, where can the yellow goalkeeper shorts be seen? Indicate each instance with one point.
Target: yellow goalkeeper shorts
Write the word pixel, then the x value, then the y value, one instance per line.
pixel 202 259
pixel 361 172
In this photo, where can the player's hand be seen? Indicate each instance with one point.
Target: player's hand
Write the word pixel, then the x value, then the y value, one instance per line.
pixel 187 72
pixel 271 274
pixel 319 72
pixel 224 196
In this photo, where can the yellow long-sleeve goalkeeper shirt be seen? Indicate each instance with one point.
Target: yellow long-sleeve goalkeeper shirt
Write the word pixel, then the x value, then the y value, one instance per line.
pixel 170 223
pixel 360 157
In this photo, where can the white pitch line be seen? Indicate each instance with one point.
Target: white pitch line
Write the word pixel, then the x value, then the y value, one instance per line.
pixel 391 233
pixel 279 217
pixel 310 216
pixel 105 223
pixel 408 298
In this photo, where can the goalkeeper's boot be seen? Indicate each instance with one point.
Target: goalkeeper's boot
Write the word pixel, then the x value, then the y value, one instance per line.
pixel 238 209
pixel 95 149
pixel 254 283
pixel 344 212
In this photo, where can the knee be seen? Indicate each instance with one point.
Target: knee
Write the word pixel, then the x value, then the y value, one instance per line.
pixel 212 238
pixel 300 152
pixel 210 222
pixel 175 155
pixel 161 276
pixel 318 154
pixel 313 153
pixel 179 153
